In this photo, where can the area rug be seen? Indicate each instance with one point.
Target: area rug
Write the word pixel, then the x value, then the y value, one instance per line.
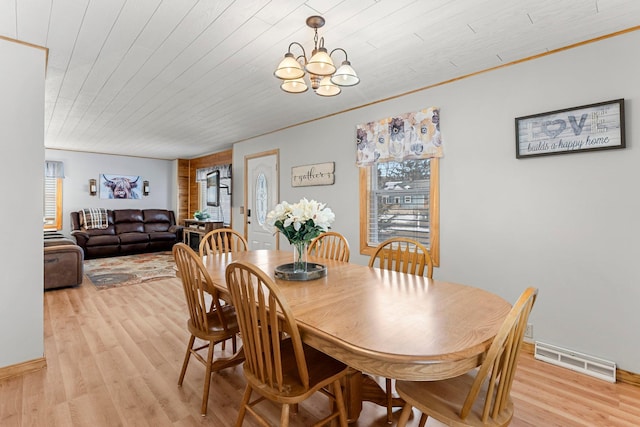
pixel 112 272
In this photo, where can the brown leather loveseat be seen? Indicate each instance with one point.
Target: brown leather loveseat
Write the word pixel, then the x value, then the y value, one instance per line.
pixel 102 232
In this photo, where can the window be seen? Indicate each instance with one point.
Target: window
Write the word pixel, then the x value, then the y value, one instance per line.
pixel 52 203
pixel 222 212
pixel 214 192
pixel 400 199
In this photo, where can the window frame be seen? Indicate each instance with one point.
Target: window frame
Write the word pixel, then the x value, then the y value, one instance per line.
pixel 434 210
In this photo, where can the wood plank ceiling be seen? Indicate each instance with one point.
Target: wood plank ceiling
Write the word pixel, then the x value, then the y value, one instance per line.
pixel 182 78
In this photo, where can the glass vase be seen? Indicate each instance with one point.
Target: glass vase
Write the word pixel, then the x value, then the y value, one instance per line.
pixel 299 257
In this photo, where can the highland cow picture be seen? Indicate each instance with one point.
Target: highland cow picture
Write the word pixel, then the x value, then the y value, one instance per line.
pixel 120 186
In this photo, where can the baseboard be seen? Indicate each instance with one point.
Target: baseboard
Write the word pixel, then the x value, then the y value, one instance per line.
pixel 628 377
pixel 528 347
pixel 622 376
pixel 23 368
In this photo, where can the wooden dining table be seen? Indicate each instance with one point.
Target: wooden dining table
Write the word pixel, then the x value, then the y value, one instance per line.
pixel 382 322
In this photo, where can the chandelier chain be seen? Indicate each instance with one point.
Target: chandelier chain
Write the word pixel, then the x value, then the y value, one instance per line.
pixel 315 39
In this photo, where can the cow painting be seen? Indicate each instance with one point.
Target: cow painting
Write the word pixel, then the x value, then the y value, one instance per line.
pixel 119 187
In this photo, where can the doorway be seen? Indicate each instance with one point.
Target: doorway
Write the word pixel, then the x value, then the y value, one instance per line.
pixel 262 186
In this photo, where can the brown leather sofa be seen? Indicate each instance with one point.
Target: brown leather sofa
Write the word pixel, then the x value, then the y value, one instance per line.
pixel 127 231
pixel 62 263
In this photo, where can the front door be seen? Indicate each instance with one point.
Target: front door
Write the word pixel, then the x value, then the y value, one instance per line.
pixel 261 188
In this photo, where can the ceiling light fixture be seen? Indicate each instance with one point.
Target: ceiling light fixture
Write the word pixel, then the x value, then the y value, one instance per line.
pixel 325 79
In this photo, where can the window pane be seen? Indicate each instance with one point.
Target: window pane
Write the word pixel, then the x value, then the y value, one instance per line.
pixel 399 201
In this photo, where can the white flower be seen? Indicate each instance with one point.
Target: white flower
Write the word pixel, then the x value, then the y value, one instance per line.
pixel 324 218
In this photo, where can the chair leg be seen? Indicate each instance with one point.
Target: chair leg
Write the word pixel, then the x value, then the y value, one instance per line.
pixel 342 410
pixel 186 359
pixel 423 420
pixel 404 416
pixel 207 379
pixel 284 415
pixel 243 405
pixel 389 400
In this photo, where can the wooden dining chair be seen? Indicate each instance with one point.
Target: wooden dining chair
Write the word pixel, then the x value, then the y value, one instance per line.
pixel 408 256
pixel 402 254
pixel 330 245
pixel 222 240
pixel 214 325
pixel 482 396
pixel 279 367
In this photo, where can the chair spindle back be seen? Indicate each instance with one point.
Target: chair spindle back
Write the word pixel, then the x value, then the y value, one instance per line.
pixel 264 317
pixel 330 245
pixel 222 240
pixel 404 255
pixel 500 363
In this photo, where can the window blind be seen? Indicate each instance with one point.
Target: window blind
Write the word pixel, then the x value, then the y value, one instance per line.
pixel 50 202
pixel 399 202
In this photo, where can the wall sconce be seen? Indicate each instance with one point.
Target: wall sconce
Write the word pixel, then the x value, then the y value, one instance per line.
pixel 93 187
pixel 145 188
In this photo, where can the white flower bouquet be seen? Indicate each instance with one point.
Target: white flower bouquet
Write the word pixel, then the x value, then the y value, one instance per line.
pixel 300 222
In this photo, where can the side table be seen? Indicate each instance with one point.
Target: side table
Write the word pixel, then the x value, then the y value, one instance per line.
pixel 195 229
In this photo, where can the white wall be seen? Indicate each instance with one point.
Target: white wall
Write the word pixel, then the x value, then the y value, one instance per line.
pixel 22 73
pixel 568 224
pixel 80 167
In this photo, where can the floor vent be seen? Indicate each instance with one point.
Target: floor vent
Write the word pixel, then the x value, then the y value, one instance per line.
pixel 599 368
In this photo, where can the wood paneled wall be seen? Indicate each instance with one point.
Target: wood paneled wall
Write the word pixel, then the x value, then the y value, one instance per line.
pixel 183 190
pixel 187 185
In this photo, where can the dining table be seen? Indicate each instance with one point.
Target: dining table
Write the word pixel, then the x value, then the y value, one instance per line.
pixel 381 322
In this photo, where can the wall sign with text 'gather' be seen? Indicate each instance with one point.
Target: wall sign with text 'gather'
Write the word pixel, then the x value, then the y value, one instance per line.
pixel 318 174
pixel 589 127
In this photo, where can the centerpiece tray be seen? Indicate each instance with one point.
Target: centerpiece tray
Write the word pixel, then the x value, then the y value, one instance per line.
pixel 314 271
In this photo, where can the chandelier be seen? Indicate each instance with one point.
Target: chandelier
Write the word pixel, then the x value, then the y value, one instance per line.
pixel 325 79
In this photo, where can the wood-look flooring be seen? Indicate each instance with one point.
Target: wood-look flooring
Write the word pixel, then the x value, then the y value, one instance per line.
pixel 113 359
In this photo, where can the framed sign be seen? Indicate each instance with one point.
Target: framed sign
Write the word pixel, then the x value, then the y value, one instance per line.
pixel 589 127
pixel 318 174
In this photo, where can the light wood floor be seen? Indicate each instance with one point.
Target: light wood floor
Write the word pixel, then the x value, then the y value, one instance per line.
pixel 113 359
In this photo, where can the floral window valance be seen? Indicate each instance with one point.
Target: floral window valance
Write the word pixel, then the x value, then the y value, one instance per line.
pixel 406 136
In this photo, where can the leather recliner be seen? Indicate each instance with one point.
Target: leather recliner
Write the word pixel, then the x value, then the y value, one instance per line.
pixel 62 263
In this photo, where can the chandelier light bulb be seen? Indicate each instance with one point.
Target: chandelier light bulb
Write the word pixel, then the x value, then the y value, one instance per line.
pixel 289 68
pixel 294 86
pixel 326 88
pixel 345 76
pixel 321 63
